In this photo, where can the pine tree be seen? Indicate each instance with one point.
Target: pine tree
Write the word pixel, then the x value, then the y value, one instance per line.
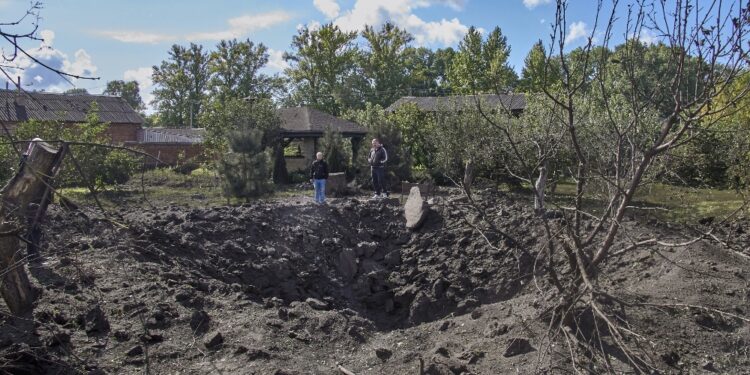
pixel 333 151
pixel 246 169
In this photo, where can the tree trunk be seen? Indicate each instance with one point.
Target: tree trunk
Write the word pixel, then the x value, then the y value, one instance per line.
pixel 24 200
pixel 468 177
pixel 539 187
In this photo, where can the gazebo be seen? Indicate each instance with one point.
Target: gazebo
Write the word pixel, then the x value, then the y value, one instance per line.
pixel 306 125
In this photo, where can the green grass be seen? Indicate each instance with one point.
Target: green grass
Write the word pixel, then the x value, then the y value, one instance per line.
pixel 162 187
pixel 667 202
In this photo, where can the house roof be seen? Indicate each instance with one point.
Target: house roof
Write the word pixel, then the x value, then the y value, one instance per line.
pixel 305 121
pixel 171 135
pixel 513 102
pixel 24 106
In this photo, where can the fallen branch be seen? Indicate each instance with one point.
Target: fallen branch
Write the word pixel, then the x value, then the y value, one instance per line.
pixel 343 370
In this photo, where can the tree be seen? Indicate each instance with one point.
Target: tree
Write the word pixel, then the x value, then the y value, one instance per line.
pixel 323 67
pixel 253 133
pixel 384 62
pixel 235 71
pixel 618 119
pixel 246 169
pixel 374 118
pixel 539 71
pixel 181 83
pixel 99 165
pixel 332 145
pixel 127 90
pixel 77 91
pixel 481 67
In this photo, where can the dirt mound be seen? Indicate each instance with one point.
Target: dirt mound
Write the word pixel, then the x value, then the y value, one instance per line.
pixel 286 288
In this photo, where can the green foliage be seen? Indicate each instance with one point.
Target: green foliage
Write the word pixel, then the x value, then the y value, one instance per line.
pixel 481 67
pixel 128 91
pixel 384 64
pixel 235 67
pixel 539 71
pixel 100 165
pixel 373 117
pixel 332 145
pixel 417 129
pixel 250 130
pixel 461 136
pixel 324 69
pixel 181 84
pixel 221 118
pixel 246 169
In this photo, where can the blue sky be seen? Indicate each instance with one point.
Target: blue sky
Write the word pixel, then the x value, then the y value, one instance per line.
pixel 124 39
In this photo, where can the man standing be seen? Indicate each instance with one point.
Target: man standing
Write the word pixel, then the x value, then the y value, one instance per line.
pixel 377 159
pixel 318 176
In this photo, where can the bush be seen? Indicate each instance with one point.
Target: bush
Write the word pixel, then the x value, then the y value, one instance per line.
pixel 99 165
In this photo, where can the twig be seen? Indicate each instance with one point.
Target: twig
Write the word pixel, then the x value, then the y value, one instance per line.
pixel 343 369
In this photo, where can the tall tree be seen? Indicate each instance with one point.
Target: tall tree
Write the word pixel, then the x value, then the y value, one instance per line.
pixel 181 83
pixel 235 70
pixel 481 66
pixel 384 62
pixel 323 67
pixel 127 90
pixel 539 71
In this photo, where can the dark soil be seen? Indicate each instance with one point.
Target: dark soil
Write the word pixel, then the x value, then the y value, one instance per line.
pixel 295 288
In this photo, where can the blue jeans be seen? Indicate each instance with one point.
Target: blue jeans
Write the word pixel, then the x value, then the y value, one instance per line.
pixel 320 190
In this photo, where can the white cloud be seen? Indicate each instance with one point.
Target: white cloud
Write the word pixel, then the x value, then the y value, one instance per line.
pixel 35 76
pixel 138 37
pixel 648 37
pixel 330 8
pixel 276 60
pixel 242 25
pixel 145 84
pixel 401 13
pixel 531 4
pixel 48 37
pixel 576 31
pixel 444 32
pixel 237 28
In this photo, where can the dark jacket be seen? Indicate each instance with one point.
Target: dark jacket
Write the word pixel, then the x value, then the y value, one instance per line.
pixel 319 170
pixel 378 157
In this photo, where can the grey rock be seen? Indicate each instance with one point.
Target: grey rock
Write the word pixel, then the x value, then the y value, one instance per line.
pixel 317 304
pixel 415 209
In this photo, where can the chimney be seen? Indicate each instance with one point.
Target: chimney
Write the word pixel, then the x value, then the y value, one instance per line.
pixel 18 85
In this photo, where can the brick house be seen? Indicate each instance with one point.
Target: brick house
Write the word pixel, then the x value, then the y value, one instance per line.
pixel 125 125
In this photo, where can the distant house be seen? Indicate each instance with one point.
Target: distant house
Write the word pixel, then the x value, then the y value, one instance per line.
pixel 515 103
pixel 125 124
pixel 170 145
pixel 17 107
pixel 304 126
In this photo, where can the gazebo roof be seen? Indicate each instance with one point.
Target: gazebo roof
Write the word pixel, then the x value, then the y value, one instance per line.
pixel 309 122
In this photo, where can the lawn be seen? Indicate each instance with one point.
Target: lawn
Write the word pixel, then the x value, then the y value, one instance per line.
pixel 672 203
